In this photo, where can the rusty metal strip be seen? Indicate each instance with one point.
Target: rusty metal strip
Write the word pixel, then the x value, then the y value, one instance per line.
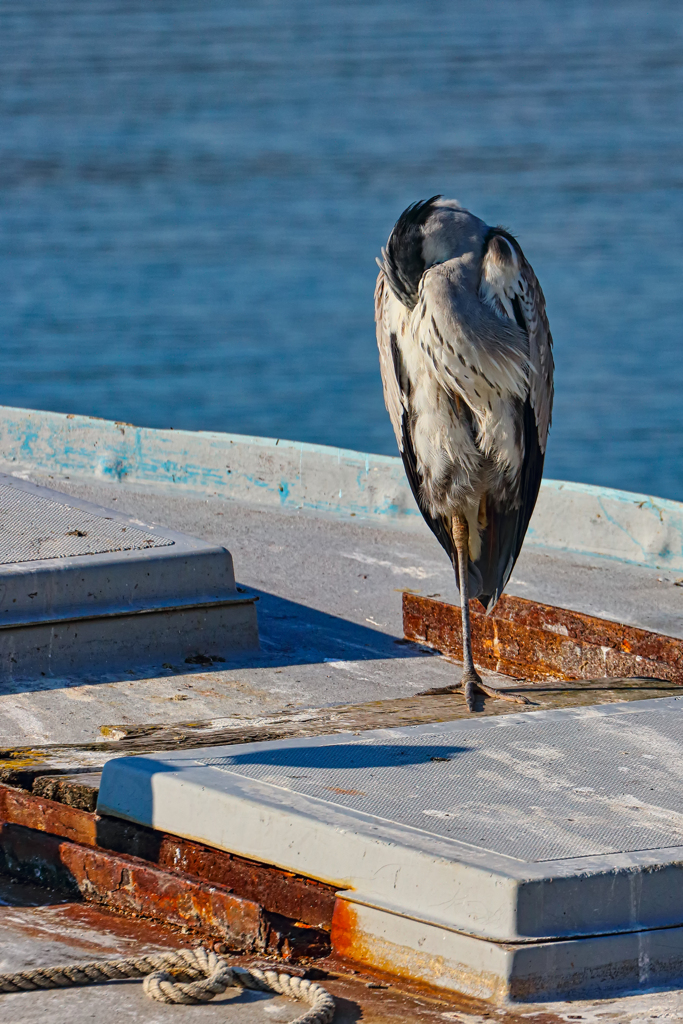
pixel 539 641
pixel 279 892
pixel 128 885
pixel 20 808
pixel 301 899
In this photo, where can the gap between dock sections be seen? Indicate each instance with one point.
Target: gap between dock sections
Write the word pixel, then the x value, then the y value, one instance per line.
pixel 25 766
pixel 281 474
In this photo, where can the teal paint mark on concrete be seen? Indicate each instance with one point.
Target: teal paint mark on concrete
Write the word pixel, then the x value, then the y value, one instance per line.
pixel 613 520
pixel 27 441
pixel 290 474
pixel 646 500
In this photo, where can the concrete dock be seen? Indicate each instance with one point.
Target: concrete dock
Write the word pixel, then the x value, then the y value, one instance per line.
pixel 329 581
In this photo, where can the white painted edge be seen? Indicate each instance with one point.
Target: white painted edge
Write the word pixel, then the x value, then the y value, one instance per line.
pixel 281 474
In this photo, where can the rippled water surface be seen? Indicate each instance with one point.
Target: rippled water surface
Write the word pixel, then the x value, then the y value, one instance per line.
pixel 192 195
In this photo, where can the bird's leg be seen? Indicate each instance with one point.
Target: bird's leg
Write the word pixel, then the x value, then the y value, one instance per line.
pixel 471 680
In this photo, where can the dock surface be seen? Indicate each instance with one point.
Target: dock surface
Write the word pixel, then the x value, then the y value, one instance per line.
pixel 332 657
pixel 329 617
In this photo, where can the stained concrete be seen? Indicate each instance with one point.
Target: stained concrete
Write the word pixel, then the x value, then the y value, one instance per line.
pixel 38 928
pixel 329 616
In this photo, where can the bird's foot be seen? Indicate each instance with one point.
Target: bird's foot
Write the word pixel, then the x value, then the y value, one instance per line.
pixel 471 682
pixel 470 686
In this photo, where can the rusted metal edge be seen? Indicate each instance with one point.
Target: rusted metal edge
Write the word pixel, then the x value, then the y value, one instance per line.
pixel 535 641
pixel 129 886
pixel 301 905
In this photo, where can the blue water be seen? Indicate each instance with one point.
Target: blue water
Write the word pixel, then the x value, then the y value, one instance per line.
pixel 192 194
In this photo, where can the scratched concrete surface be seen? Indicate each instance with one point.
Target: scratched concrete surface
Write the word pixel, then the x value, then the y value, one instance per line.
pixel 329 614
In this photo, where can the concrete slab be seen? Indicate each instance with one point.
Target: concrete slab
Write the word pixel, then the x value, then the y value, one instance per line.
pixel 469 845
pixel 536 825
pixel 88 588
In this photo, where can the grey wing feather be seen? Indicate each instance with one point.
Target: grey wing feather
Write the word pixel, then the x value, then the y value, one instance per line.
pixel 541 387
pixel 392 319
pixel 513 290
pixel 388 323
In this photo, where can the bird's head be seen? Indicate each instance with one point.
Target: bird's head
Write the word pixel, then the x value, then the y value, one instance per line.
pixel 428 232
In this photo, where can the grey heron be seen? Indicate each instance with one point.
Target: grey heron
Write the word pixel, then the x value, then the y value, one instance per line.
pixel 467 368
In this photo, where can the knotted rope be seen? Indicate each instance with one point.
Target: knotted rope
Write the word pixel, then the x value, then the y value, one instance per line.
pixel 184 976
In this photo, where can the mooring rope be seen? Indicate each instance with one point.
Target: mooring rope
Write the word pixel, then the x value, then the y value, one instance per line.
pixel 184 976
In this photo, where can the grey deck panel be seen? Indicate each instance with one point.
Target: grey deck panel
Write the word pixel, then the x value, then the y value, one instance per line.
pixel 538 825
pixel 63 556
pixel 34 526
pixel 536 789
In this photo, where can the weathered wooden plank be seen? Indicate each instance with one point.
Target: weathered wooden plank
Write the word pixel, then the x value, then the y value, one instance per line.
pixel 21 766
pixel 74 790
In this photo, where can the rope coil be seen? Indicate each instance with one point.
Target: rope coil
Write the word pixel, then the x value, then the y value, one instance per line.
pixel 184 976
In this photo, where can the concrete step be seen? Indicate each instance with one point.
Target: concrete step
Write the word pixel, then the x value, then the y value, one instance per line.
pixel 533 855
pixel 87 591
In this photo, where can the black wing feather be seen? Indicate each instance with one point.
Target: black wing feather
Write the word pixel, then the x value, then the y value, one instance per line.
pixel 504 535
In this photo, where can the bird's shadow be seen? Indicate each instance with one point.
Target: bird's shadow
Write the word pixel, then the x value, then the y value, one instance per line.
pixel 345 756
